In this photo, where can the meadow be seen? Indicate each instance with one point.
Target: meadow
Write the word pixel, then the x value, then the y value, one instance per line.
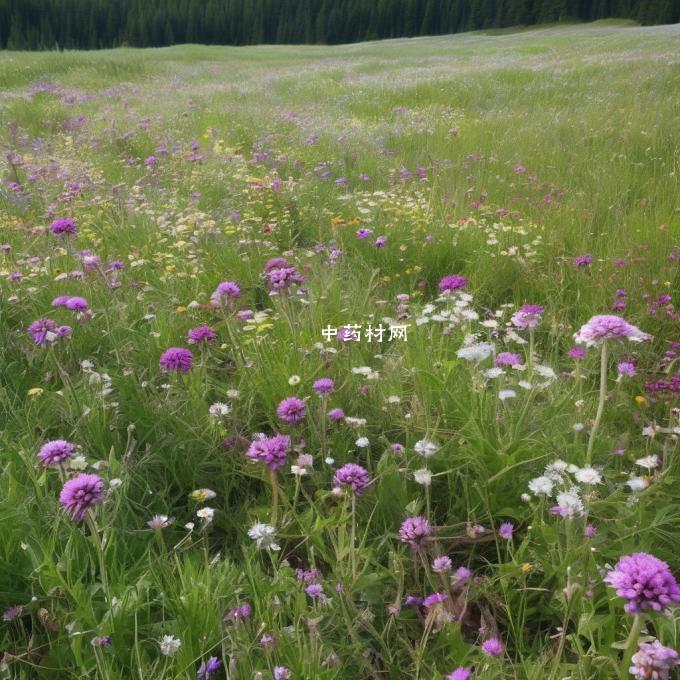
pixel 342 362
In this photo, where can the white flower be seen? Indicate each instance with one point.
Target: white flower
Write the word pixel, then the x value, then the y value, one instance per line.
pixel 637 483
pixel 494 372
pixel 570 503
pixel 77 463
pixel 354 423
pixel 219 409
pixel 525 384
pixel 393 399
pixel 525 497
pixel 507 394
pixel 294 380
pixel 588 475
pixel 115 483
pixel 264 536
pixel 545 371
pixel 423 477
pixel 649 431
pixel 169 645
pixel 189 526
pixel 426 448
pixel 477 352
pixel 329 461
pixel 578 427
pixel 362 442
pixel 649 462
pixel 541 486
pixel 233 394
pixel 206 514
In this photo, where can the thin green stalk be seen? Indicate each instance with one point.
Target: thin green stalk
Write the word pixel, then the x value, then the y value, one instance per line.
pixel 600 404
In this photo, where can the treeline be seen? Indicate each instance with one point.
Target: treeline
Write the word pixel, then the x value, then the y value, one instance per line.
pixel 91 24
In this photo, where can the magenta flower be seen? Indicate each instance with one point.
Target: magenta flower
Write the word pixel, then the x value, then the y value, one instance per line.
pixel 201 334
pixel 434 599
pixel 55 452
pixel 626 368
pixel 80 494
pixel 281 278
pixel 415 531
pixel 441 565
pixel 460 673
pixel 505 530
pixel 492 647
pixel 508 359
pixel 353 476
pixel 275 263
pixel 452 282
pixel 576 353
pixel 583 261
pixel 292 410
pixel 272 451
pixel 281 673
pixel 608 327
pixel 653 661
pixel 60 301
pixel 46 331
pixel 63 226
pixel 323 386
pixel 76 303
pixel 176 359
pixel 645 581
pixel 336 414
pixel 528 316
pixel 227 289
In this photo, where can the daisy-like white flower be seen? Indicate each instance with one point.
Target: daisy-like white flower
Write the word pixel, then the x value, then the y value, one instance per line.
pixel 203 495
pixel 264 536
pixel 541 486
pixel 423 477
pixel 206 514
pixel 477 352
pixel 219 409
pixel 648 462
pixel 426 448
pixel 588 475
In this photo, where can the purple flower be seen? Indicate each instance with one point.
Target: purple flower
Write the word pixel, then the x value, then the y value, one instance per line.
pixel 336 414
pixel 101 641
pixel 582 261
pixel 492 647
pixel 281 673
pixel 505 530
pixel 271 451
pixel 576 353
pixel 201 334
pixel 653 661
pixel 11 613
pixel 43 331
pixel 80 494
pixel 176 359
pixel 363 233
pixel 434 599
pixel 460 673
pixel 442 564
pixel 645 581
pixel 76 303
pixel 380 242
pixel 415 531
pixel 354 476
pixel 63 226
pixel 589 531
pixel 291 410
pixel 528 316
pixel 626 368
pixel 56 451
pixel 275 263
pixel 281 278
pixel 508 359
pixel 608 327
pixel 208 668
pixel 323 386
pixel 226 289
pixel 462 574
pixel 452 282
pixel 60 301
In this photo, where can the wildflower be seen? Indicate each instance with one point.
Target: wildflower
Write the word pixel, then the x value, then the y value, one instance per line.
pixel 202 495
pixel 201 334
pixel 492 647
pixel 101 641
pixel 353 476
pixel 589 531
pixel 423 477
pixel 206 514
pixel 541 486
pixel 645 581
pixel 267 641
pixel 452 282
pixel 434 599
pixel 362 442
pixel 46 331
pixel 176 359
pixel 588 475
pixel 219 409
pixel 158 522
pixel 272 451
pixel 426 448
pixel 569 504
pixel 648 462
pixel 653 661
pixel 460 673
pixel 281 673
pixel 294 380
pixel 280 279
pixel 264 536
pixel 291 410
pixel 608 327
pixel 506 394
pixel 576 353
pixel 528 316
pixel 336 414
pixel 415 531
pixel 315 591
pixel 583 261
pixel 626 368
pixel 505 530
pixel 76 304
pixel 323 386
pixel 208 668
pixel 441 565
pixel 80 494
pixel 169 645
pixel 227 290
pixel 55 452
pixel 11 613
pixel 508 359
pixel 240 613
pixel 63 226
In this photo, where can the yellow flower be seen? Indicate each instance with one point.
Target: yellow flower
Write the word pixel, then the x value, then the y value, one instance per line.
pixel 181 308
pixel 526 567
pixel 640 400
pixel 35 391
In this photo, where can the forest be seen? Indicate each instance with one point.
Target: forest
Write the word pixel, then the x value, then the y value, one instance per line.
pixel 95 24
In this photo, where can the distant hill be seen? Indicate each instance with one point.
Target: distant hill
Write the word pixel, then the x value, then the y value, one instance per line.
pixel 92 24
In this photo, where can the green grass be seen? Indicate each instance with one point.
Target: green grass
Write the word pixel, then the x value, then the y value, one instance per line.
pixel 537 146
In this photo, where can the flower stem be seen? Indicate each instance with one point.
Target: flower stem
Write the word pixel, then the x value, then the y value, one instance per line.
pixel 600 404
pixel 275 496
pixel 99 547
pixel 352 547
pixel 631 644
